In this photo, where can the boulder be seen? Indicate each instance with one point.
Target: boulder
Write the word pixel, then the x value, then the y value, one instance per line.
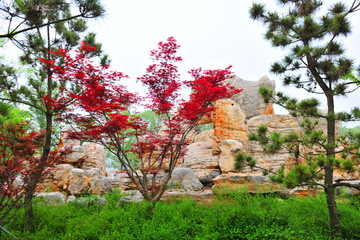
pixel 200 195
pixel 199 158
pixel 186 179
pixel 253 183
pixel 61 177
pixel 77 155
pixel 65 141
pixel 101 186
pixel 205 136
pixel 79 181
pixel 249 99
pixel 97 200
pixel 95 157
pixel 229 123
pixel 52 197
pixel 228 149
pixel 279 123
pixel 131 196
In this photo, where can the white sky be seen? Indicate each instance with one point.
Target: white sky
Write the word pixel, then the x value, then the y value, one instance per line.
pixel 213 34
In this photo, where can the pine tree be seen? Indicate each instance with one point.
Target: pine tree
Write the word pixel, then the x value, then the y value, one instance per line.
pixel 38 27
pixel 316 63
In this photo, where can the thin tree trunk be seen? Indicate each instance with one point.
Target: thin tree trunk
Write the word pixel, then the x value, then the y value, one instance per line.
pixel 329 170
pixel 333 213
pixel 36 176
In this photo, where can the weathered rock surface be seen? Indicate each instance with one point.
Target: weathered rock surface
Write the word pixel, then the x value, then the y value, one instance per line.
pixel 95 157
pixel 199 158
pixel 280 123
pixel 185 178
pixel 249 99
pixel 205 136
pixel 229 148
pixel 131 196
pixel 80 181
pixel 78 154
pixel 228 122
pixel 253 183
pixel 52 197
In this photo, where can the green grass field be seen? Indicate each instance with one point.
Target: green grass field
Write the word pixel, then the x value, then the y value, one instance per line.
pixel 233 215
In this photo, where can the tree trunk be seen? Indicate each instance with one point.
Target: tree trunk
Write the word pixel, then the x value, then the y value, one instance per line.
pixel 335 228
pixel 35 177
pixel 29 214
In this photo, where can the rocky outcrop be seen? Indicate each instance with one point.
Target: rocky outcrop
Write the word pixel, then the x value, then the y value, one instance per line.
pixel 199 158
pixel 229 148
pixel 229 123
pixel 209 160
pixel 249 99
pixel 254 183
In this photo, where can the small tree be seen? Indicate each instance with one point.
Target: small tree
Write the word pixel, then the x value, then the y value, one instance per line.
pixel 104 106
pixel 316 63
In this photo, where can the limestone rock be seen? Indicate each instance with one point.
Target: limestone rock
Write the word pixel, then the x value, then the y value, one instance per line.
pixel 253 183
pixel 65 141
pixel 199 158
pixel 125 182
pixel 131 196
pixel 205 136
pixel 61 177
pixel 229 148
pixel 78 154
pixel 101 186
pixel 280 123
pixel 186 178
pixel 202 195
pixel 229 123
pixel 95 157
pixel 79 181
pixel 249 99
pixel 53 197
pixel 229 120
pixel 97 200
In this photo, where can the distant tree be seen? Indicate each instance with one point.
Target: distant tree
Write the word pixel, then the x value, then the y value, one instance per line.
pixel 316 63
pixel 37 28
pixel 103 112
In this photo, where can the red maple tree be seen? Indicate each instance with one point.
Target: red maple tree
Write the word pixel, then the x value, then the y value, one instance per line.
pixel 19 160
pixel 100 107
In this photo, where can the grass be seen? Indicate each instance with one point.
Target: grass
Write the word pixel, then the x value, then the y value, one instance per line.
pixel 232 215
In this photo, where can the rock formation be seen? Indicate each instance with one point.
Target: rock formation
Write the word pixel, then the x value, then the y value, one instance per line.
pixel 210 155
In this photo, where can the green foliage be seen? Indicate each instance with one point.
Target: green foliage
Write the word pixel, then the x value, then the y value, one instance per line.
pixel 241 160
pixel 232 215
pixel 344 131
pixel 13 114
pixel 205 127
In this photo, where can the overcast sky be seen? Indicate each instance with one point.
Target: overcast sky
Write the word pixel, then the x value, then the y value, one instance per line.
pixel 213 34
